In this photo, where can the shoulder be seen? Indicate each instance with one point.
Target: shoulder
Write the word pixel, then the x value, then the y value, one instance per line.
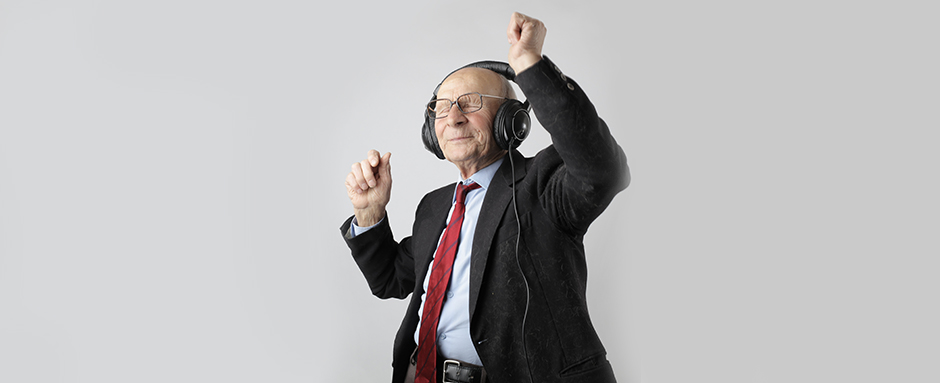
pixel 546 161
pixel 441 192
pixel 437 197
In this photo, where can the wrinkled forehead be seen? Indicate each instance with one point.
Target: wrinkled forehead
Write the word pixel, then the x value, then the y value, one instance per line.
pixel 469 80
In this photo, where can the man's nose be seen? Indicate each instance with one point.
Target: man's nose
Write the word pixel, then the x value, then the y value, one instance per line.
pixel 456 116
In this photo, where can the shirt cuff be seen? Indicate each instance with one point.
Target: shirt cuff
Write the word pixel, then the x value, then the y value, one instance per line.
pixel 355 230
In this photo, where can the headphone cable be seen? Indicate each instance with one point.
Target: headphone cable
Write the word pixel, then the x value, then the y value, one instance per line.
pixel 515 209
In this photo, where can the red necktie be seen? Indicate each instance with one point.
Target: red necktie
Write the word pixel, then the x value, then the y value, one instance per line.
pixel 426 367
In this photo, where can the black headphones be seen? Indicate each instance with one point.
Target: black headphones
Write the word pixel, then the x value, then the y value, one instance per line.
pixel 510 125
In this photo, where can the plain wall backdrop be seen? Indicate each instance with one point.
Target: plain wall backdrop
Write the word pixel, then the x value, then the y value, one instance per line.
pixel 171 183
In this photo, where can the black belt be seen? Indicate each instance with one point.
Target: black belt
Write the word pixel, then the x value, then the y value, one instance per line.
pixel 454 371
pixel 460 372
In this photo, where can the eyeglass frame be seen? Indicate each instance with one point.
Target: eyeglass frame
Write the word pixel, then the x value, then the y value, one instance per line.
pixel 453 102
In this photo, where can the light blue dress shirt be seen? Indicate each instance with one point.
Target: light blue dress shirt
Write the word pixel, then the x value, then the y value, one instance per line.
pixel 453 331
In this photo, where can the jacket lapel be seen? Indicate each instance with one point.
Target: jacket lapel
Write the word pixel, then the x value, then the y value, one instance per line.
pixel 498 197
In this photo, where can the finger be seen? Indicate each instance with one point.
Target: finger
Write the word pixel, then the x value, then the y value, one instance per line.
pixel 351 185
pixel 359 177
pixel 373 157
pixel 531 29
pixel 368 173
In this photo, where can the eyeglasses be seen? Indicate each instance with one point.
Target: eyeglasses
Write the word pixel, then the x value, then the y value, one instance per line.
pixel 467 103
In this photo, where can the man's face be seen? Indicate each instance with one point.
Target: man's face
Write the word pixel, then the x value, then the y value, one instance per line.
pixel 467 139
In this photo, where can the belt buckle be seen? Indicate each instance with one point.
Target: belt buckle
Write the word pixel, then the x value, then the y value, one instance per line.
pixel 444 372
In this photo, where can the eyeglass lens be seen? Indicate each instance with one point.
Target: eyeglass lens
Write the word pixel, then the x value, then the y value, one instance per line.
pixel 468 103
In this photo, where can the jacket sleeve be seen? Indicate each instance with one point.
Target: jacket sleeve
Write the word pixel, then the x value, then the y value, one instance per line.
pixel 387 265
pixel 594 167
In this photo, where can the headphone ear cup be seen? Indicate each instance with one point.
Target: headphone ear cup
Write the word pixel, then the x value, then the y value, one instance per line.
pixel 511 124
pixel 430 137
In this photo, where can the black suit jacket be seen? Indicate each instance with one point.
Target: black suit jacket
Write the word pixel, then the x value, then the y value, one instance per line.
pixel 559 192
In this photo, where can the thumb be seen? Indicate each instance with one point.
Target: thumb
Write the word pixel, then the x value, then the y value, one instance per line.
pixel 514 31
pixel 385 166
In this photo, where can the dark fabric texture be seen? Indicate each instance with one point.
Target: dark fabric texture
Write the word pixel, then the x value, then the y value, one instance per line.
pixel 559 192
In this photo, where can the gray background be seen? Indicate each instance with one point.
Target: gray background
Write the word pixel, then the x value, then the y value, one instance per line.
pixel 171 183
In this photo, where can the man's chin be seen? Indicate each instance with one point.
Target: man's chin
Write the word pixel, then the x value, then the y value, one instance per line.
pixel 459 155
pixel 456 160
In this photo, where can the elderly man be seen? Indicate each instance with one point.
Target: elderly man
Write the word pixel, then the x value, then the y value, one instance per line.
pixel 495 265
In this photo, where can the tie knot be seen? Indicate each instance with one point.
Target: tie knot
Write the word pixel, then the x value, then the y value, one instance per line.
pixel 462 191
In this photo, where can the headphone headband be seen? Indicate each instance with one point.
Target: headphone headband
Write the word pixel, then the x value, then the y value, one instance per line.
pixel 501 68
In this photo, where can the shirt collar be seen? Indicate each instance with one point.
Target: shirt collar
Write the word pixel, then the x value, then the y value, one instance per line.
pixel 484 176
